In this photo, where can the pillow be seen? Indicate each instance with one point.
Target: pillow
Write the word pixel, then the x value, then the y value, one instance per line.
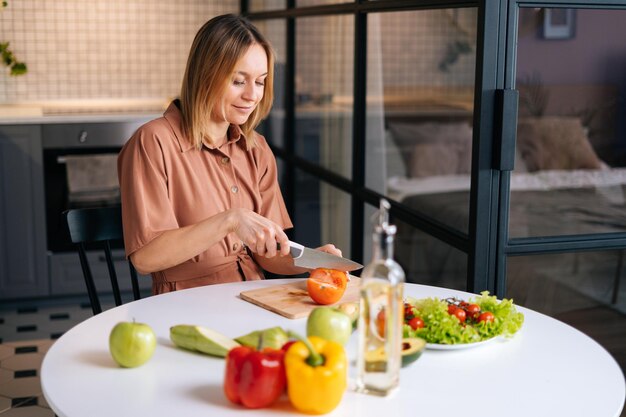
pixel 430 149
pixel 395 164
pixel 555 143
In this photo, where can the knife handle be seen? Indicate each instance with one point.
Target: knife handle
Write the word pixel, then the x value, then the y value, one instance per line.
pixel 295 249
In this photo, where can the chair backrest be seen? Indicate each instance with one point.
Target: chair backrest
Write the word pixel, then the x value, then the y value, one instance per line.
pixel 104 225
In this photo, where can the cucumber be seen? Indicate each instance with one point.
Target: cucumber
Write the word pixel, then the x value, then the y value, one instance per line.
pixel 201 339
pixel 412 348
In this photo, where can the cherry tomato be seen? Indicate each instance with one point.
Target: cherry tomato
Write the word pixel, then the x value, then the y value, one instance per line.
pixel 460 314
pixel 326 286
pixel 487 317
pixel 416 323
pixel 473 311
pixel 409 312
pixel 452 309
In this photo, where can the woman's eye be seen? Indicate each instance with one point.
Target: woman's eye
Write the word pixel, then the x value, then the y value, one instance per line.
pixel 237 82
pixel 260 83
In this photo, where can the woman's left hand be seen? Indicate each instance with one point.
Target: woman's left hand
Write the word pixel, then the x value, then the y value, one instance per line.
pixel 330 248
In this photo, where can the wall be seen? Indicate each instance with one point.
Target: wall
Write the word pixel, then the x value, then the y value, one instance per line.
pixel 586 58
pixel 101 49
pixel 582 76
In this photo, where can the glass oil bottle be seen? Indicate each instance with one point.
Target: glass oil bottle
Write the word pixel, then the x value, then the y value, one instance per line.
pixel 380 321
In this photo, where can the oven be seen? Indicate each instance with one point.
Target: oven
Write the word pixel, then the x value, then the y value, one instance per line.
pixel 63 143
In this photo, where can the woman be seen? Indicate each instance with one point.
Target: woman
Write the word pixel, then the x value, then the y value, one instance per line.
pixel 200 197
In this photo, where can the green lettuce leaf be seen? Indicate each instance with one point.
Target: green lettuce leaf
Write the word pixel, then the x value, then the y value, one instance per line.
pixel 443 328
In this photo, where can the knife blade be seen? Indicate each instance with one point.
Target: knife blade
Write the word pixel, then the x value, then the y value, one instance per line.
pixel 312 258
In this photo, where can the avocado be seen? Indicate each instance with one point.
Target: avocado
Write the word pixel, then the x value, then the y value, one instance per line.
pixel 412 348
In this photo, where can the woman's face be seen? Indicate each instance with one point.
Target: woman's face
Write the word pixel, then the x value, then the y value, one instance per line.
pixel 246 87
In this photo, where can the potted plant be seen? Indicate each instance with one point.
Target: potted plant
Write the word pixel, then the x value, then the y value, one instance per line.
pixel 8 59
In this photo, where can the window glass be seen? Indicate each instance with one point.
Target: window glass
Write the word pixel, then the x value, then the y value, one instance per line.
pixel 586 290
pixel 420 94
pixel 272 127
pixel 324 91
pixel 426 259
pixel 570 167
pixel 322 213
pixel 266 5
pixel 305 3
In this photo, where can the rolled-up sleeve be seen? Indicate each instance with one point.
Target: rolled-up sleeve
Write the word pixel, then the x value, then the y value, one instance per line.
pixel 146 208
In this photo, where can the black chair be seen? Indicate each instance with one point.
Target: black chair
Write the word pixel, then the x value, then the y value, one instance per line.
pixel 102 225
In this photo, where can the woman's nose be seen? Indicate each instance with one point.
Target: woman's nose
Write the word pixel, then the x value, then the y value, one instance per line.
pixel 250 93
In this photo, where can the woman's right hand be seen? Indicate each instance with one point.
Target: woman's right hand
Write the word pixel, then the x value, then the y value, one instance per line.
pixel 259 233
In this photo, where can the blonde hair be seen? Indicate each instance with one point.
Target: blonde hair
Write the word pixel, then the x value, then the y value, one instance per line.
pixel 216 49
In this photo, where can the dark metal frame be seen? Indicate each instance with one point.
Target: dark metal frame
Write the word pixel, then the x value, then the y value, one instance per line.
pixel 537 245
pixel 495 111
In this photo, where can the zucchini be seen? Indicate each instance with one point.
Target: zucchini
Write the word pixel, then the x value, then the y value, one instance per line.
pixel 201 339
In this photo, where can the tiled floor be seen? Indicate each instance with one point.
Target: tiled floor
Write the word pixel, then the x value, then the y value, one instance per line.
pixel 40 322
pixel 20 389
pixel 26 334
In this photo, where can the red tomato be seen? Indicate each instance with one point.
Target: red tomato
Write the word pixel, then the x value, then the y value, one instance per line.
pixel 452 309
pixel 380 322
pixel 460 314
pixel 487 317
pixel 409 311
pixel 416 323
pixel 326 286
pixel 473 311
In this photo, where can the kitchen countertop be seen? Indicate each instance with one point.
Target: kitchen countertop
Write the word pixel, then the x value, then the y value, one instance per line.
pixel 81 111
pixel 83 118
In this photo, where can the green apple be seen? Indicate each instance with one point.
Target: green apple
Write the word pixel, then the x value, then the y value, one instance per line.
pixel 131 344
pixel 330 324
pixel 351 310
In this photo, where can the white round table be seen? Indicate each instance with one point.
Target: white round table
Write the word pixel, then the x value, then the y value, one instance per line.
pixel 548 369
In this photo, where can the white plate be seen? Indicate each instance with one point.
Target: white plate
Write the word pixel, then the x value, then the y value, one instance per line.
pixel 436 346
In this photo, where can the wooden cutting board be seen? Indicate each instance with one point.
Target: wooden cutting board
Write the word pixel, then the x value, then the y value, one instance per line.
pixel 292 300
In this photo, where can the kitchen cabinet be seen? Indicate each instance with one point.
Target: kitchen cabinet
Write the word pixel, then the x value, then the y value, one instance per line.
pixel 29 267
pixel 23 266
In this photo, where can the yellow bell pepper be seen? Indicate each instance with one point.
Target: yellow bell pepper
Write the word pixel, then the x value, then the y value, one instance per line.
pixel 316 375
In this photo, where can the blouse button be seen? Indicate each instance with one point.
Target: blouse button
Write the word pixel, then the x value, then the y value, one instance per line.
pixel 225 160
pixel 235 246
pixel 234 189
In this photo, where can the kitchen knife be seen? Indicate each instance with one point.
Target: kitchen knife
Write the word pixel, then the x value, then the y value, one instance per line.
pixel 312 258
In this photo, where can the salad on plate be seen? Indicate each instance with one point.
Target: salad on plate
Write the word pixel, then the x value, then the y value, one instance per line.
pixel 446 322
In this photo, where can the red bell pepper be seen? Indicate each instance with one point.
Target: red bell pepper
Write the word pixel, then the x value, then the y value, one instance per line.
pixel 254 378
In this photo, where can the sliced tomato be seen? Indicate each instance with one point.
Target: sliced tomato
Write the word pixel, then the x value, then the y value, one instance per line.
pixel 380 322
pixel 326 286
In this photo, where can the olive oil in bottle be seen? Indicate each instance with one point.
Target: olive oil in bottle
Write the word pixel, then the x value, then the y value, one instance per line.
pixel 380 321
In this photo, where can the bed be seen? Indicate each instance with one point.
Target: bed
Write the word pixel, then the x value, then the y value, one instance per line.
pixel 559 187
